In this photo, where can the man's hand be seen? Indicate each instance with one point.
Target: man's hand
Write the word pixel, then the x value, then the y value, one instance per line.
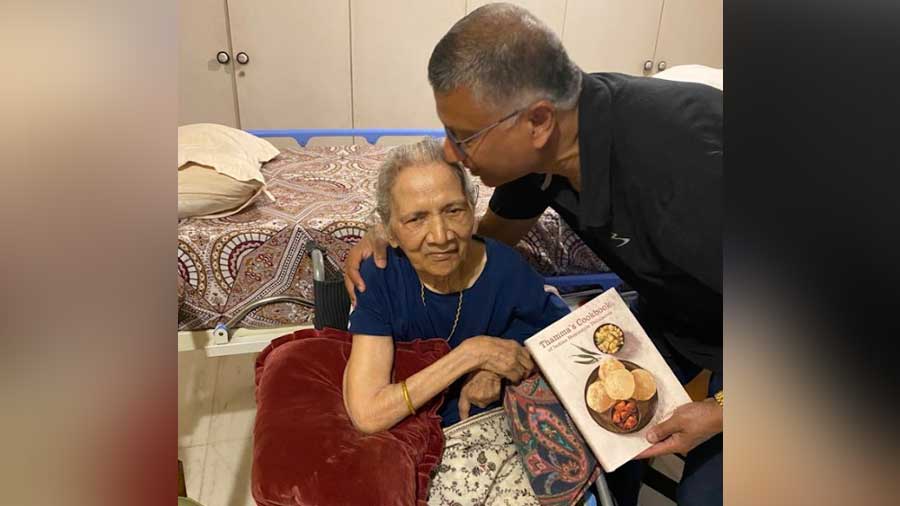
pixel 373 243
pixel 690 425
pixel 481 388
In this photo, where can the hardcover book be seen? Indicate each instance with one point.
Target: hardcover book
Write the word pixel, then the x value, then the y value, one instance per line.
pixel 609 376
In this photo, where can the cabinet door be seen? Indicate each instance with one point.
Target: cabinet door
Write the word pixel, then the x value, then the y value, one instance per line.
pixel 205 86
pixel 298 72
pixel 392 41
pixel 690 33
pixel 611 35
pixel 551 12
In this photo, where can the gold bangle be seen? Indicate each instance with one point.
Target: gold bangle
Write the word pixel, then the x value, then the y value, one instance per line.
pixel 720 398
pixel 409 404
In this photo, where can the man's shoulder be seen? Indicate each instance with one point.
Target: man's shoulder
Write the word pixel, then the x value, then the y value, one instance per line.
pixel 650 116
pixel 620 85
pixel 629 92
pixel 617 81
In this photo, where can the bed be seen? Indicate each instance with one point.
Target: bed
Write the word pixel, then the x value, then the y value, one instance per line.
pixel 322 195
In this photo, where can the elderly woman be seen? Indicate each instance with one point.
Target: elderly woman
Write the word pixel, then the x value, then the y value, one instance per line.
pixel 440 281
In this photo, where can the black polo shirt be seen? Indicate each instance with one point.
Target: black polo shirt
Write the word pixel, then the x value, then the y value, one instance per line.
pixel 650 204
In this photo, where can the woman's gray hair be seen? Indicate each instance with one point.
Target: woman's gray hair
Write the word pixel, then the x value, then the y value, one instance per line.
pixel 507 57
pixel 425 152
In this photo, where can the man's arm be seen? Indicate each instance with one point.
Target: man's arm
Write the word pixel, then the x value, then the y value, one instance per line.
pixel 505 230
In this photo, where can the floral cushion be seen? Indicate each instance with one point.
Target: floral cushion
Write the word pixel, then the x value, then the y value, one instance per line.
pixel 480 465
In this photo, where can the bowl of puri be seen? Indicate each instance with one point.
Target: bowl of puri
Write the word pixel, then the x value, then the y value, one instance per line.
pixel 609 338
pixel 621 396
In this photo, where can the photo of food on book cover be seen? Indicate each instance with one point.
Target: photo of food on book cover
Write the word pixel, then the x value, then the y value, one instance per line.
pixel 609 376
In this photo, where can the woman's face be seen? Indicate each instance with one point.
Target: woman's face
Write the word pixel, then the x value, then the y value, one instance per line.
pixel 431 220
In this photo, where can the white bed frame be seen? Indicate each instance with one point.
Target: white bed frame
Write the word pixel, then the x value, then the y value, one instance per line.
pixel 254 340
pixel 242 340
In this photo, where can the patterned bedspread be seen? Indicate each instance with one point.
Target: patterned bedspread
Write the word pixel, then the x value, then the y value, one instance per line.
pixel 322 194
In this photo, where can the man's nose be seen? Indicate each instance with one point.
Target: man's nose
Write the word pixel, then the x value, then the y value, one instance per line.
pixel 450 154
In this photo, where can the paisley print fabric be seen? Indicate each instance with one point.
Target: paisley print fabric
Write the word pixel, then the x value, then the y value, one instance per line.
pixel 322 193
pixel 556 459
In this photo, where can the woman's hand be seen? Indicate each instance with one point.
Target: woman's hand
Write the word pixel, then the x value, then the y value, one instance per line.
pixel 373 243
pixel 481 388
pixel 504 357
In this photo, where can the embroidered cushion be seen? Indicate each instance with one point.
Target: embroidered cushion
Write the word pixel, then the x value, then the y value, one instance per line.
pixel 480 465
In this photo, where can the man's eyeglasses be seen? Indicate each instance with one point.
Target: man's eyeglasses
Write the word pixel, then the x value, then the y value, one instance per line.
pixel 460 145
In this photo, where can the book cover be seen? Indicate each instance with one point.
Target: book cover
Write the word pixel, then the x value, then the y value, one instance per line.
pixel 609 376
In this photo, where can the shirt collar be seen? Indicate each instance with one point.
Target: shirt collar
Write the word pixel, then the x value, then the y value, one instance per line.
pixel 594 148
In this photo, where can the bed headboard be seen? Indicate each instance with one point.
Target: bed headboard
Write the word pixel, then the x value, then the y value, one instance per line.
pixel 371 135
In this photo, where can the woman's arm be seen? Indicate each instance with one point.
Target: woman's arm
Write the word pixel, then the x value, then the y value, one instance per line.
pixel 375 404
pixel 372 401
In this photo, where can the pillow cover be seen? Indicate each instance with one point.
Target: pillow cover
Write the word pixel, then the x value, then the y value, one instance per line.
pixel 230 151
pixel 205 193
pixel 558 462
pixel 219 169
pixel 305 448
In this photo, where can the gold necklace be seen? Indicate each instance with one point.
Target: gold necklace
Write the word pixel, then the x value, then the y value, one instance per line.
pixel 458 308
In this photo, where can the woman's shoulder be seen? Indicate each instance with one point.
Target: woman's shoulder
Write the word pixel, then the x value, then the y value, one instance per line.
pixel 508 268
pixel 390 275
pixel 506 256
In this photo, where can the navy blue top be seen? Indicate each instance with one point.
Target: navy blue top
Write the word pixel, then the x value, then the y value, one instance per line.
pixel 507 300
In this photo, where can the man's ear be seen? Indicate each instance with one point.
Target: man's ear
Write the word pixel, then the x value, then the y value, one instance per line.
pixel 541 121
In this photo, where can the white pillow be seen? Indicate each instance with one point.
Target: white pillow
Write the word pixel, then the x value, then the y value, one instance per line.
pixel 228 150
pixel 219 169
pixel 694 74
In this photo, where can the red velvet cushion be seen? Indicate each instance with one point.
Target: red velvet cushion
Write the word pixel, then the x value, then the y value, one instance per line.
pixel 305 449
